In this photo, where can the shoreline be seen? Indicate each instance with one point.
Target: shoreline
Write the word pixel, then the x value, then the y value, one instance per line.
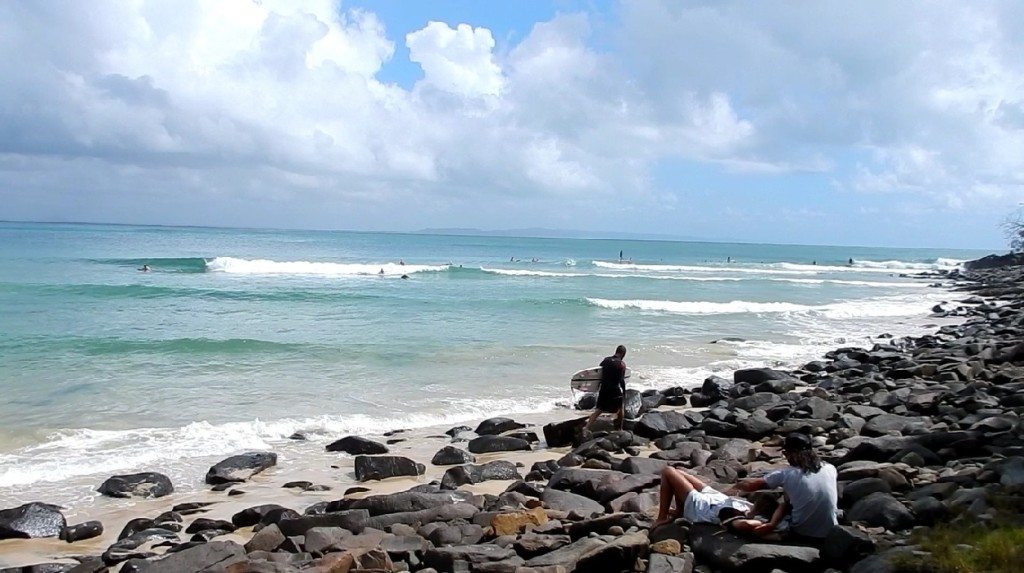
pixel 265 487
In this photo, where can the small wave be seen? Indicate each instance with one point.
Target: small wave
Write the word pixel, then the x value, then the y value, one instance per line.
pixel 234 265
pixel 699 269
pixel 179 265
pixel 569 262
pixel 528 273
pixel 892 266
pixel 839 310
pixel 697 307
pixel 855 283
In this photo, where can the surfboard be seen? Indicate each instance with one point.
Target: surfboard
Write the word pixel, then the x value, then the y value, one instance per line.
pixel 589 379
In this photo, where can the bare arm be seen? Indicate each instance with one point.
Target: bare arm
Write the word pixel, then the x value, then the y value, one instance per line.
pixel 780 513
pixel 749 484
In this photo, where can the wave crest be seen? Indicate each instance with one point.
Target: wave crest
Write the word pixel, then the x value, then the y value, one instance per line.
pixel 234 265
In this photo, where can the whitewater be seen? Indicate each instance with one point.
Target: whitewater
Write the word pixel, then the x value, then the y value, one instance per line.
pixel 239 339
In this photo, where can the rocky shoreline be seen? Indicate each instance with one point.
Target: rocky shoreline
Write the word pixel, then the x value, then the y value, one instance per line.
pixel 925 433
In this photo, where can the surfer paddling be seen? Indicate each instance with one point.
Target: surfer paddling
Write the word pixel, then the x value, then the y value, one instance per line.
pixel 613 388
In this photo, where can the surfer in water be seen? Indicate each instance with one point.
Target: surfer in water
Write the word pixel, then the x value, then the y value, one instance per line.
pixel 613 388
pixel 145 268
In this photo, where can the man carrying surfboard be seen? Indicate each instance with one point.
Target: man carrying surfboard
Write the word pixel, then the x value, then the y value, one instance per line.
pixel 613 388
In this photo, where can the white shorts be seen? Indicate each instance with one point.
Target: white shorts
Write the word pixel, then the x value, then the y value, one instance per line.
pixel 703 506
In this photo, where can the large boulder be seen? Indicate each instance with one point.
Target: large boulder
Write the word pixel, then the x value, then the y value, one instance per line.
pixel 356 445
pixel 31 520
pixel 568 501
pixel 485 444
pixel 755 376
pixel 559 434
pixel 725 551
pixel 146 484
pixel 494 426
pixel 466 557
pixel 657 424
pixel 240 468
pixel 632 405
pixel 383 467
pixel 403 502
pixel 569 555
pixel 881 510
pixel 469 474
pixel 81 531
pixel 450 456
pixel 212 556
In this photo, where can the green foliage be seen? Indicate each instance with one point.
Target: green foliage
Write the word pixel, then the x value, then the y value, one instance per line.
pixel 967 548
pixel 1013 228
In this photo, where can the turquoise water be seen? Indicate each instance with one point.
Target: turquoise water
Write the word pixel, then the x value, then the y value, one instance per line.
pixel 271 332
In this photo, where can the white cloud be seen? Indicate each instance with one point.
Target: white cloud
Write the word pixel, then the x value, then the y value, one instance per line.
pixel 458 60
pixel 221 102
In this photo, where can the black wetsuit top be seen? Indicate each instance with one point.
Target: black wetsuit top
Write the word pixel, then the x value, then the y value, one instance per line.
pixel 613 384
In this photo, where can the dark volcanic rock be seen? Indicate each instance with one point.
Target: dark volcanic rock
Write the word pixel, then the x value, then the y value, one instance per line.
pixel 568 501
pixel 493 426
pixel 728 552
pixel 881 510
pixel 485 444
pixel 382 467
pixel 657 424
pixel 403 502
pixel 468 474
pixel 146 484
pixel 240 468
pixel 212 556
pixel 356 445
pixel 469 557
pixel 31 520
pixel 558 434
pixel 450 456
pixel 253 515
pixel 78 532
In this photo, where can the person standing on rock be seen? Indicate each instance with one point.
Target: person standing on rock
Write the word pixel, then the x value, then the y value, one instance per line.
pixel 613 388
pixel 809 485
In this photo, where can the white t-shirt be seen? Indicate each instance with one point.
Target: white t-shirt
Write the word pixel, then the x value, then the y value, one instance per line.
pixel 703 506
pixel 812 496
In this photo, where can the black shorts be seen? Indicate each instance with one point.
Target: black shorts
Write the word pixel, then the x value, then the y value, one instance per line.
pixel 609 402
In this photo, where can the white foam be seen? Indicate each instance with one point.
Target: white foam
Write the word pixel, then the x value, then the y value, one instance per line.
pixel 234 265
pixel 698 269
pixel 531 273
pixel 791 268
pixel 699 307
pixel 873 307
pixel 891 266
pixel 83 452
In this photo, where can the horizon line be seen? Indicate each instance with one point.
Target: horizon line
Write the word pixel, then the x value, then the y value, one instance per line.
pixel 474 232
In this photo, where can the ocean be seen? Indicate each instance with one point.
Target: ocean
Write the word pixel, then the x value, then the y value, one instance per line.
pixel 236 339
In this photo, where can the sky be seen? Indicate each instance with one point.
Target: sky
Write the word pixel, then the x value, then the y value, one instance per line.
pixel 870 123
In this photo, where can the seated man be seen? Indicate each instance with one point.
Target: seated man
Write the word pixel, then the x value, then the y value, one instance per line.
pixel 694 500
pixel 810 487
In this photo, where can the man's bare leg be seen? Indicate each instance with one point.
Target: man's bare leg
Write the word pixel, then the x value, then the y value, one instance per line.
pixel 592 419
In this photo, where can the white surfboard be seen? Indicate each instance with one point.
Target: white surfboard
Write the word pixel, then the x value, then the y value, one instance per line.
pixel 589 380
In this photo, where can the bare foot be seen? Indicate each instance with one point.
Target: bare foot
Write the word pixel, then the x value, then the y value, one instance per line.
pixel 663 521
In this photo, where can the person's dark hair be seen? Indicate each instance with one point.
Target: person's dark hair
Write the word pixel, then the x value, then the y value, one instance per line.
pixel 800 453
pixel 620 350
pixel 806 460
pixel 765 504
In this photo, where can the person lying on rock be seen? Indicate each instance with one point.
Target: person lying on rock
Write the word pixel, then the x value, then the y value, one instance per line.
pixel 810 488
pixel 694 500
pixel 767 519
